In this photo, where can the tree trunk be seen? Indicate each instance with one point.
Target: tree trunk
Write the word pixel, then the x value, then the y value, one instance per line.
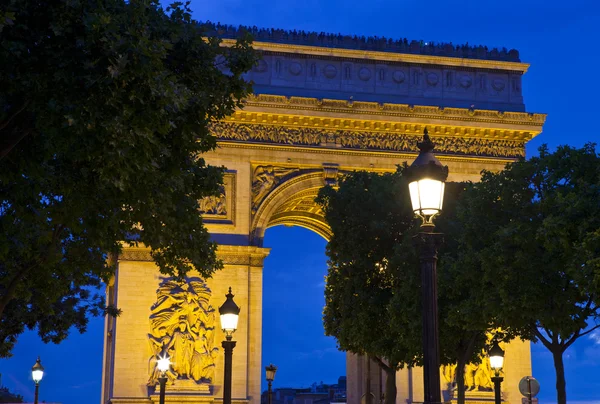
pixel 390 386
pixel 460 382
pixel 561 385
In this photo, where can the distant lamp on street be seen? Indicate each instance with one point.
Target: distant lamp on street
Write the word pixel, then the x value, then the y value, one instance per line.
pixel 37 372
pixel 230 314
pixel 496 355
pixel 270 370
pixel 163 364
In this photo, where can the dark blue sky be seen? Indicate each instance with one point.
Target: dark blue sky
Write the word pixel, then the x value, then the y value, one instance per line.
pixel 561 41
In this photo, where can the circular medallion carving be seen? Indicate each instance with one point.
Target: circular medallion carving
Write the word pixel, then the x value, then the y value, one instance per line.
pixel 261 66
pixel 398 76
pixel 364 74
pixel 465 81
pixel 498 84
pixel 432 79
pixel 295 68
pixel 330 71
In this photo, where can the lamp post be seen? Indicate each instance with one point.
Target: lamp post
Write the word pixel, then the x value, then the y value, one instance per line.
pixel 496 355
pixel 229 313
pixel 427 177
pixel 270 370
pixel 37 372
pixel 163 364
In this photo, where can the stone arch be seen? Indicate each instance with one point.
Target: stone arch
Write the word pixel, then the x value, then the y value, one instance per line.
pixel 292 203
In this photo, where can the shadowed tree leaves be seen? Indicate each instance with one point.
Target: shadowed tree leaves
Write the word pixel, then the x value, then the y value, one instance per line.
pixel 373 291
pixel 533 229
pixel 104 112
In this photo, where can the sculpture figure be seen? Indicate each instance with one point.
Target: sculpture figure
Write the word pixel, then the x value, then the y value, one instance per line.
pixel 182 324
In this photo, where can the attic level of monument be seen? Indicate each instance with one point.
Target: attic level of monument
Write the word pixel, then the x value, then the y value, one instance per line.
pixel 438 76
pixel 371 43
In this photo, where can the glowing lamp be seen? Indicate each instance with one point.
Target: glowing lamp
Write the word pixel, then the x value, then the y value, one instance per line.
pixel 163 363
pixel 271 370
pixel 427 178
pixel 496 355
pixel 230 313
pixel 37 371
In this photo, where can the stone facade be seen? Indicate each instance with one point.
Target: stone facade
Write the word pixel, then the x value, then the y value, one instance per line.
pixel 319 113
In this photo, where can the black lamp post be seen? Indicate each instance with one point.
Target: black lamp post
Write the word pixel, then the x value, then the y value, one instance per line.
pixel 37 372
pixel 496 355
pixel 427 178
pixel 270 370
pixel 163 364
pixel 230 313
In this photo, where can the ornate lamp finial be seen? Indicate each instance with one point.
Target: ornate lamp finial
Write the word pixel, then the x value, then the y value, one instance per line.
pixel 426 145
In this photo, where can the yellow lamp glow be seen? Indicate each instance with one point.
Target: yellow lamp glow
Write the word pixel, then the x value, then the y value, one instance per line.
pixel 496 355
pixel 271 370
pixel 163 363
pixel 230 314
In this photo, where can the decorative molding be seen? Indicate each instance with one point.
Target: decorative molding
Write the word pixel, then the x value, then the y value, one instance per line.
pixel 135 254
pixel 381 109
pixel 385 56
pixel 363 140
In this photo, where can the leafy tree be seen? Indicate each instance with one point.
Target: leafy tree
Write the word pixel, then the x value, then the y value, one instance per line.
pixel 373 298
pixel 103 120
pixel 534 229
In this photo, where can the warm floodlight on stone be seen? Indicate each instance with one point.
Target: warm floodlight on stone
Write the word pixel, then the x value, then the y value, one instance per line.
pixel 427 177
pixel 496 355
pixel 37 372
pixel 230 313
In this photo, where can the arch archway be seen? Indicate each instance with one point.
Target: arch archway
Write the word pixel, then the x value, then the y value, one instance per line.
pixel 292 203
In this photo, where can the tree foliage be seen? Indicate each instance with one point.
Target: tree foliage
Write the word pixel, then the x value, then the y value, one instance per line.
pixel 534 230
pixel 373 291
pixel 104 114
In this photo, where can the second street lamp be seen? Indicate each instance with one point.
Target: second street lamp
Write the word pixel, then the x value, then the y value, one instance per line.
pixel 427 177
pixel 229 313
pixel 270 370
pixel 496 355
pixel 163 364
pixel 37 372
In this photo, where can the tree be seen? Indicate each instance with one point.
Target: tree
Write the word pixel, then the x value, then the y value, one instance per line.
pixel 104 115
pixel 373 298
pixel 533 229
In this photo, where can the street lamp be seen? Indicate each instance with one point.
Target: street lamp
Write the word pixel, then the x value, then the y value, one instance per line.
pixel 230 314
pixel 271 370
pixel 163 364
pixel 496 355
pixel 426 177
pixel 37 372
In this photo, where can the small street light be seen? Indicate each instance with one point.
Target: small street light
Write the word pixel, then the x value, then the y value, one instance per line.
pixel 230 314
pixel 426 183
pixel 271 370
pixel 163 364
pixel 37 372
pixel 496 355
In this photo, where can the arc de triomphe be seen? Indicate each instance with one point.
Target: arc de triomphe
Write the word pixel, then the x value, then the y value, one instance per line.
pixel 323 106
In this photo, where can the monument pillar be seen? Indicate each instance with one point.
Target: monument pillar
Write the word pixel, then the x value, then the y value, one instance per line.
pixel 147 304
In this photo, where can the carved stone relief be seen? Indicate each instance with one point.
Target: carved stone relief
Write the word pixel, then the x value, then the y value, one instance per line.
pixel 220 208
pixel 182 326
pixel 265 179
pixel 363 140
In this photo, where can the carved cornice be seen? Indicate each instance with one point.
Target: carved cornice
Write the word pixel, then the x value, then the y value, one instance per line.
pixel 385 56
pixel 229 255
pixel 479 116
pixel 365 140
